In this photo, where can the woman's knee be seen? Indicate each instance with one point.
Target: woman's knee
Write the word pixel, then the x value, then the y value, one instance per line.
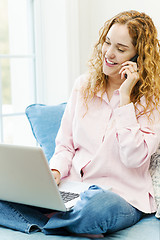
pixel 98 195
pixel 97 202
pixel 101 211
pixel 92 212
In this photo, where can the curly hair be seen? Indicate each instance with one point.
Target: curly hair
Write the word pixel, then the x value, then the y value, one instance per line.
pixel 144 38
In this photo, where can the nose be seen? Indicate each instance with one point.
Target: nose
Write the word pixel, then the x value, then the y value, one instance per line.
pixel 110 53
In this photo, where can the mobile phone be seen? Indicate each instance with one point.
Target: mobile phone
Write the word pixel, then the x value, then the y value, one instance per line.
pixel 133 59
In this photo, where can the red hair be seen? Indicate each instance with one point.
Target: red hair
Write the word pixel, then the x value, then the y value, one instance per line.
pixel 144 38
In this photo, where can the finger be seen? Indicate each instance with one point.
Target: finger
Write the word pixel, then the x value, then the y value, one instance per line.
pixel 129 63
pixel 130 68
pixel 57 179
pixel 135 68
pixel 124 73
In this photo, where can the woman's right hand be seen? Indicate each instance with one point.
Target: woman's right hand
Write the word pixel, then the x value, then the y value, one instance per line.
pixel 57 175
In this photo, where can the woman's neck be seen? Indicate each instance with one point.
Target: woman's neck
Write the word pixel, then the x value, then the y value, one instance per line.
pixel 112 85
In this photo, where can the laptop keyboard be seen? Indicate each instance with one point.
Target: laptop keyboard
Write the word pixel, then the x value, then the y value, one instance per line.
pixel 68 196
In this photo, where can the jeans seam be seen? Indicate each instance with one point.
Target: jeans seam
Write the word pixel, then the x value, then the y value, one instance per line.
pixel 29 224
pixel 126 215
pixel 104 223
pixel 88 230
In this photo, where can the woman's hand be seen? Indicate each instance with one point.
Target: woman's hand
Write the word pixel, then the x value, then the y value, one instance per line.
pixel 57 175
pixel 130 70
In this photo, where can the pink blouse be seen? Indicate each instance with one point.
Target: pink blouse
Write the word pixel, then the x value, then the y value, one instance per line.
pixel 107 145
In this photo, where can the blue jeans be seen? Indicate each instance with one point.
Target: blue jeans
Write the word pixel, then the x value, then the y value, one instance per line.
pixel 98 211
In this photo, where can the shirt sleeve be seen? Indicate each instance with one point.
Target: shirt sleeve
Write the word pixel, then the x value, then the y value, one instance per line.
pixel 138 138
pixel 64 151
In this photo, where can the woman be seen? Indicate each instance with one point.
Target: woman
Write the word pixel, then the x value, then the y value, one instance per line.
pixel 108 133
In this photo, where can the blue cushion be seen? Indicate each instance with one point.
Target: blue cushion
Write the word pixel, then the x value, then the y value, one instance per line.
pixel 146 229
pixel 45 122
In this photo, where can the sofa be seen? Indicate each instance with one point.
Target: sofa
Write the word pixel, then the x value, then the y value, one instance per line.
pixel 45 121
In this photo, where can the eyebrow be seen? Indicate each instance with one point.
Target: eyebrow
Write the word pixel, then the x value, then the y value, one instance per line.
pixel 119 44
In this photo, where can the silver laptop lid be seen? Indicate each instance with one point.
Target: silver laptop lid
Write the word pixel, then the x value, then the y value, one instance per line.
pixel 25 178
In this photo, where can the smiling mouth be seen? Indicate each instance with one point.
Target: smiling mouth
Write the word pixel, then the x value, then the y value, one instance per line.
pixel 109 62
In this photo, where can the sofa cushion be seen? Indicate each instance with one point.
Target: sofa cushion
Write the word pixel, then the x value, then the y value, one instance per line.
pixel 45 122
pixel 146 229
pixel 155 174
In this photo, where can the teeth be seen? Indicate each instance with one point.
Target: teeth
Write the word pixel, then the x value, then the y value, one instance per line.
pixel 109 62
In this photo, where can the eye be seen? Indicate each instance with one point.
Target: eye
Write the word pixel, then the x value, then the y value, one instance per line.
pixel 120 50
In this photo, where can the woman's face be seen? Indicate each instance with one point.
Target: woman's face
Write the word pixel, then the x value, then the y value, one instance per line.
pixel 116 49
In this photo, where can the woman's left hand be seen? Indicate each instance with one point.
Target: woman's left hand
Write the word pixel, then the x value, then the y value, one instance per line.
pixel 130 70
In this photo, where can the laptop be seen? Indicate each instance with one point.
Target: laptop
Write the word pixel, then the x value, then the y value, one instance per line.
pixel 25 177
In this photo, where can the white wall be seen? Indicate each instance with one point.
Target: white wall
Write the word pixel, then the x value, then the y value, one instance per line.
pixel 68 38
